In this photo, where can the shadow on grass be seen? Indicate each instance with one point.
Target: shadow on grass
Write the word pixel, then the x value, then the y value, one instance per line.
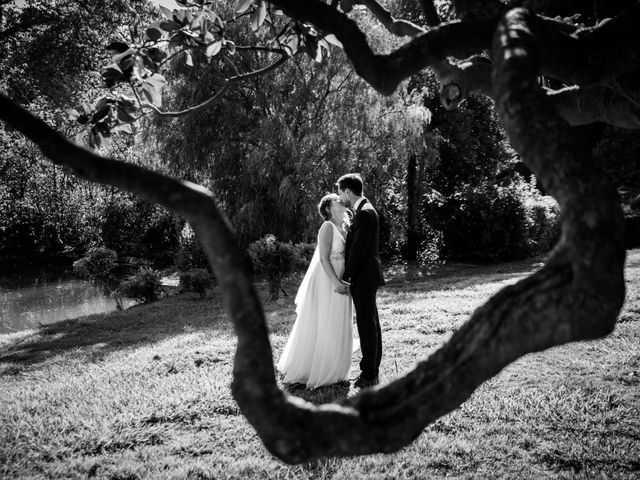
pixel 101 334
pixel 412 278
pixel 320 395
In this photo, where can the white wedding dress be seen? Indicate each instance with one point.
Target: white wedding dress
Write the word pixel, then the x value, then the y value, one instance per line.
pixel 318 351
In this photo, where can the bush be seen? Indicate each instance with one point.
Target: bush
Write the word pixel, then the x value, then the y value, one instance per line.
pixel 302 255
pixel 142 286
pixel 119 229
pixel 273 258
pixel 429 251
pixel 21 227
pixel 161 240
pixel 190 253
pixel 195 280
pixel 142 230
pixel 489 223
pixel 543 213
pixel 98 265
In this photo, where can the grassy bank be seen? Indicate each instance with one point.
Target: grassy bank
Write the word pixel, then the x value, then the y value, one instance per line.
pixel 145 394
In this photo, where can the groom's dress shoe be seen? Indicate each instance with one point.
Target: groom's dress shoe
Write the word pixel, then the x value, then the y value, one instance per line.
pixel 365 382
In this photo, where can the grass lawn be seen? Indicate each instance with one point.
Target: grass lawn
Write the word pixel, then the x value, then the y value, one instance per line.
pixel 145 394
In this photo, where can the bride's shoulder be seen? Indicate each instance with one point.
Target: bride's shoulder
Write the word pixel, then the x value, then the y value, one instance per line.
pixel 326 225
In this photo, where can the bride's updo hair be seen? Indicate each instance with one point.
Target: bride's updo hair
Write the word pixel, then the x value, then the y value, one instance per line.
pixel 324 207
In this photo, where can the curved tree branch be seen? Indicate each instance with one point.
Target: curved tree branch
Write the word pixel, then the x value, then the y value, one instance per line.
pixel 385 72
pixel 186 111
pixel 219 93
pixel 577 57
pixel 576 295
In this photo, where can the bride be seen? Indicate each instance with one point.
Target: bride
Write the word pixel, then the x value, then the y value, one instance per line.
pixel 318 351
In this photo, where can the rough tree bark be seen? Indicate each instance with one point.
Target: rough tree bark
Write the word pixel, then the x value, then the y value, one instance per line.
pixel 577 294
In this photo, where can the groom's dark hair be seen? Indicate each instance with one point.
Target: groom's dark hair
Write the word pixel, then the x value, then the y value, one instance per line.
pixel 352 181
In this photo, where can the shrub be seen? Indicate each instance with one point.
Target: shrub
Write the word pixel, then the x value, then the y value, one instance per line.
pixel 543 213
pixel 273 258
pixel 489 223
pixel 98 265
pixel 21 228
pixel 190 253
pixel 484 223
pixel 120 231
pixel 142 286
pixel 429 251
pixel 302 255
pixel 195 280
pixel 142 230
pixel 161 240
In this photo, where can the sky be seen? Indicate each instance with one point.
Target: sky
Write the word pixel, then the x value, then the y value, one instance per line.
pixel 166 3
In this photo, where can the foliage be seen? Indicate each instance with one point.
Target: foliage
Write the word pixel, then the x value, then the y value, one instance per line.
pixel 98 265
pixel 21 227
pixel 55 44
pixel 430 247
pixel 190 253
pixel 274 259
pixel 49 49
pixel 140 229
pixel 198 32
pixel 195 280
pixel 288 136
pixel 618 151
pixel 490 223
pixel 302 254
pixel 143 285
pixel 543 222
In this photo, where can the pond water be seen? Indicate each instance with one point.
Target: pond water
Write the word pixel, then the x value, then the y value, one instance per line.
pixel 43 297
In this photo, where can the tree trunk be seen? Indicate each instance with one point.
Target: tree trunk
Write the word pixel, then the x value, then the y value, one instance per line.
pixel 413 210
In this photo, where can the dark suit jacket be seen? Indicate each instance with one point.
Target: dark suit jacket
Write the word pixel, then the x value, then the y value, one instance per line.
pixel 362 258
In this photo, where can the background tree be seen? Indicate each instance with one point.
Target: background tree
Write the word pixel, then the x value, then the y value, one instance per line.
pixel 576 295
pixel 49 51
pixel 271 147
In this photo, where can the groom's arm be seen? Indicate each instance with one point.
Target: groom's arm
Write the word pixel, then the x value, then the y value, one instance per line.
pixel 363 232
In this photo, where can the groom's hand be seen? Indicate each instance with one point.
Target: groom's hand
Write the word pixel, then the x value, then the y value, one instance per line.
pixel 342 289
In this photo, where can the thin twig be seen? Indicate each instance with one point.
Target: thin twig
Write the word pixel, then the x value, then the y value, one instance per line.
pixel 218 94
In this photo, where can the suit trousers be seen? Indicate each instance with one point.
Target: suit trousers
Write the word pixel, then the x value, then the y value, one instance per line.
pixel 364 300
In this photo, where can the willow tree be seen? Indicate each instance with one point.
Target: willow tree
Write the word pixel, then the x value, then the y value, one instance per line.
pixel 489 47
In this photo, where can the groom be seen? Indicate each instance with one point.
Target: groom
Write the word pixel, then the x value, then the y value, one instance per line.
pixel 363 272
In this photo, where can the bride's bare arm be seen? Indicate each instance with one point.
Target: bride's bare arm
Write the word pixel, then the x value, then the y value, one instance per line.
pixel 325 240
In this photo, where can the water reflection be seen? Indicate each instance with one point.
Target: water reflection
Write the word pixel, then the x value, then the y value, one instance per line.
pixel 27 303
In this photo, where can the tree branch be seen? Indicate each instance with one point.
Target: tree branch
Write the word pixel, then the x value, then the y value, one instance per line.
pixel 598 103
pixel 401 28
pixel 219 93
pixel 580 57
pixel 576 295
pixel 385 72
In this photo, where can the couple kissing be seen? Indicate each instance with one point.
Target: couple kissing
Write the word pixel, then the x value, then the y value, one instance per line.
pixel 344 275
